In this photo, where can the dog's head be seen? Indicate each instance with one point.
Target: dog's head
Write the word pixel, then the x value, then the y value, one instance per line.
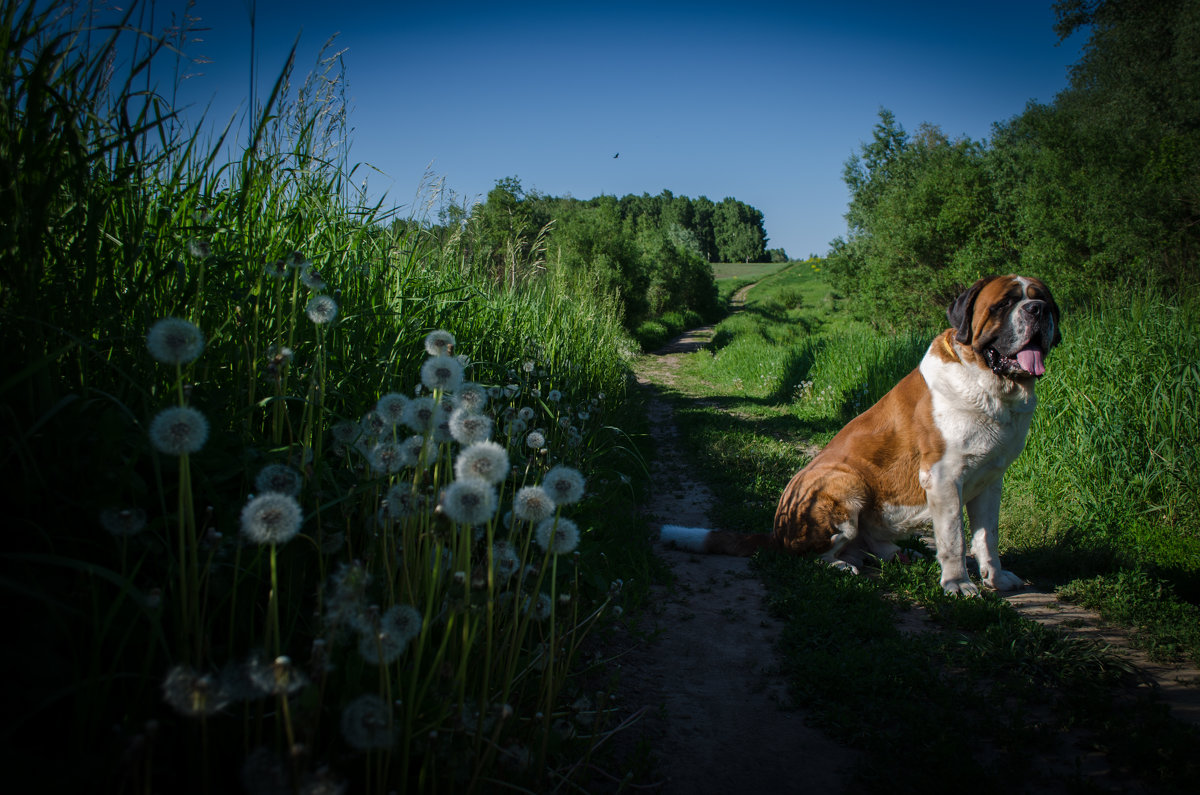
pixel 1011 322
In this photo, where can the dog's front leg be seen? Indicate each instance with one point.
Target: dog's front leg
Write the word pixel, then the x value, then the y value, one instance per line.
pixel 983 513
pixel 944 496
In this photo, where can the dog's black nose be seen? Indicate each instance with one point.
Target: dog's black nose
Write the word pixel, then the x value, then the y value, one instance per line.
pixel 1035 309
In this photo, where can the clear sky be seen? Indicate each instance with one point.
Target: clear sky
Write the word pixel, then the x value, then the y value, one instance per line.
pixel 761 101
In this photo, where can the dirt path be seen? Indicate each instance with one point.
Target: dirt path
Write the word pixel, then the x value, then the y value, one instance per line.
pixel 717 718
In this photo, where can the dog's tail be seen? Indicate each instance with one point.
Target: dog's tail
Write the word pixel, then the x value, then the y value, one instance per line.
pixel 715 542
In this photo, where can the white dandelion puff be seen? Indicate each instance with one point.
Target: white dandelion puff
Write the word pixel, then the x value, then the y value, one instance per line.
pixel 470 501
pixel 533 504
pixel 384 644
pixel 471 397
pixel 439 343
pixel 271 518
pixel 174 340
pixel 442 372
pixel 390 408
pixel 193 694
pixel 367 723
pixel 277 269
pixel 123 521
pixel 486 460
pixel 535 440
pixel 401 502
pixel 557 535
pixel 420 414
pixel 279 478
pixel 414 451
pixel 468 427
pixel 505 560
pixel 554 396
pixel 387 457
pixel 179 430
pixel 526 414
pixel 564 484
pixel 537 606
pixel 312 278
pixel 321 309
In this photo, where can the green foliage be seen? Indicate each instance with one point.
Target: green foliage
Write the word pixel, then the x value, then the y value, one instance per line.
pixel 1166 627
pixel 1096 192
pixel 1111 460
pixel 649 254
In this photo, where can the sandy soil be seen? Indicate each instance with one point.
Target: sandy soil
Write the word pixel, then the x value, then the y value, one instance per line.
pixel 715 717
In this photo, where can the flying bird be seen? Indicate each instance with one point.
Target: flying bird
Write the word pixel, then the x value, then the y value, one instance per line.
pixel 618 154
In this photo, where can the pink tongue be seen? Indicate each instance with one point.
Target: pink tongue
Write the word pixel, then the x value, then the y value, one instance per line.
pixel 1030 360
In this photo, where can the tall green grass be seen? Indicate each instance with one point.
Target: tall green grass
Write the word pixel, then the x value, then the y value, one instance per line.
pixel 1112 462
pixel 391 644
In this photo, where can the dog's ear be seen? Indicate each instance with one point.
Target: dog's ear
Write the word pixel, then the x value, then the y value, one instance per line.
pixel 1054 313
pixel 959 313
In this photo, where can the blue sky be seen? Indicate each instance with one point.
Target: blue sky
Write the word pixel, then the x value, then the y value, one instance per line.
pixel 761 101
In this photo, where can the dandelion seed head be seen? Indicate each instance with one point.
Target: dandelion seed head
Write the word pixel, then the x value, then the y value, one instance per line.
pixel 298 261
pixel 471 397
pixel 278 677
pixel 528 367
pixel 505 560
pixel 390 408
pixel 277 269
pixel 439 343
pixel 271 518
pixel 564 484
pixel 199 248
pixel 533 504
pixel 174 340
pixel 485 460
pixel 387 457
pixel 557 535
pixel 401 502
pixel 443 373
pixel 179 430
pixel 535 440
pixel 372 424
pixel 344 432
pixel 538 606
pixel 312 278
pixel 321 309
pixel 123 521
pixel 193 694
pixel 415 450
pixel 367 723
pixel 470 501
pixel 468 427
pixel 526 414
pixel 554 396
pixel 279 478
pixel 421 414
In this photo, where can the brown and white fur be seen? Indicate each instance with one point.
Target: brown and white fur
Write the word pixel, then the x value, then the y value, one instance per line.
pixel 939 441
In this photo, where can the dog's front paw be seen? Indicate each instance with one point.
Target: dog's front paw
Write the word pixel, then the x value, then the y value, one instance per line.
pixel 1002 580
pixel 963 587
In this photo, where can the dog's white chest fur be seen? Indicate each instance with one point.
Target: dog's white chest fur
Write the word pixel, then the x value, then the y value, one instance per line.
pixel 983 420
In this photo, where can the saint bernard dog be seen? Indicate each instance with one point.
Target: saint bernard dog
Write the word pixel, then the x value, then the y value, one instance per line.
pixel 939 441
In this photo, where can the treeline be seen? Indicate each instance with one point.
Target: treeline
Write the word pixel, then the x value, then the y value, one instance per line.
pixel 1098 191
pixel 652 253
